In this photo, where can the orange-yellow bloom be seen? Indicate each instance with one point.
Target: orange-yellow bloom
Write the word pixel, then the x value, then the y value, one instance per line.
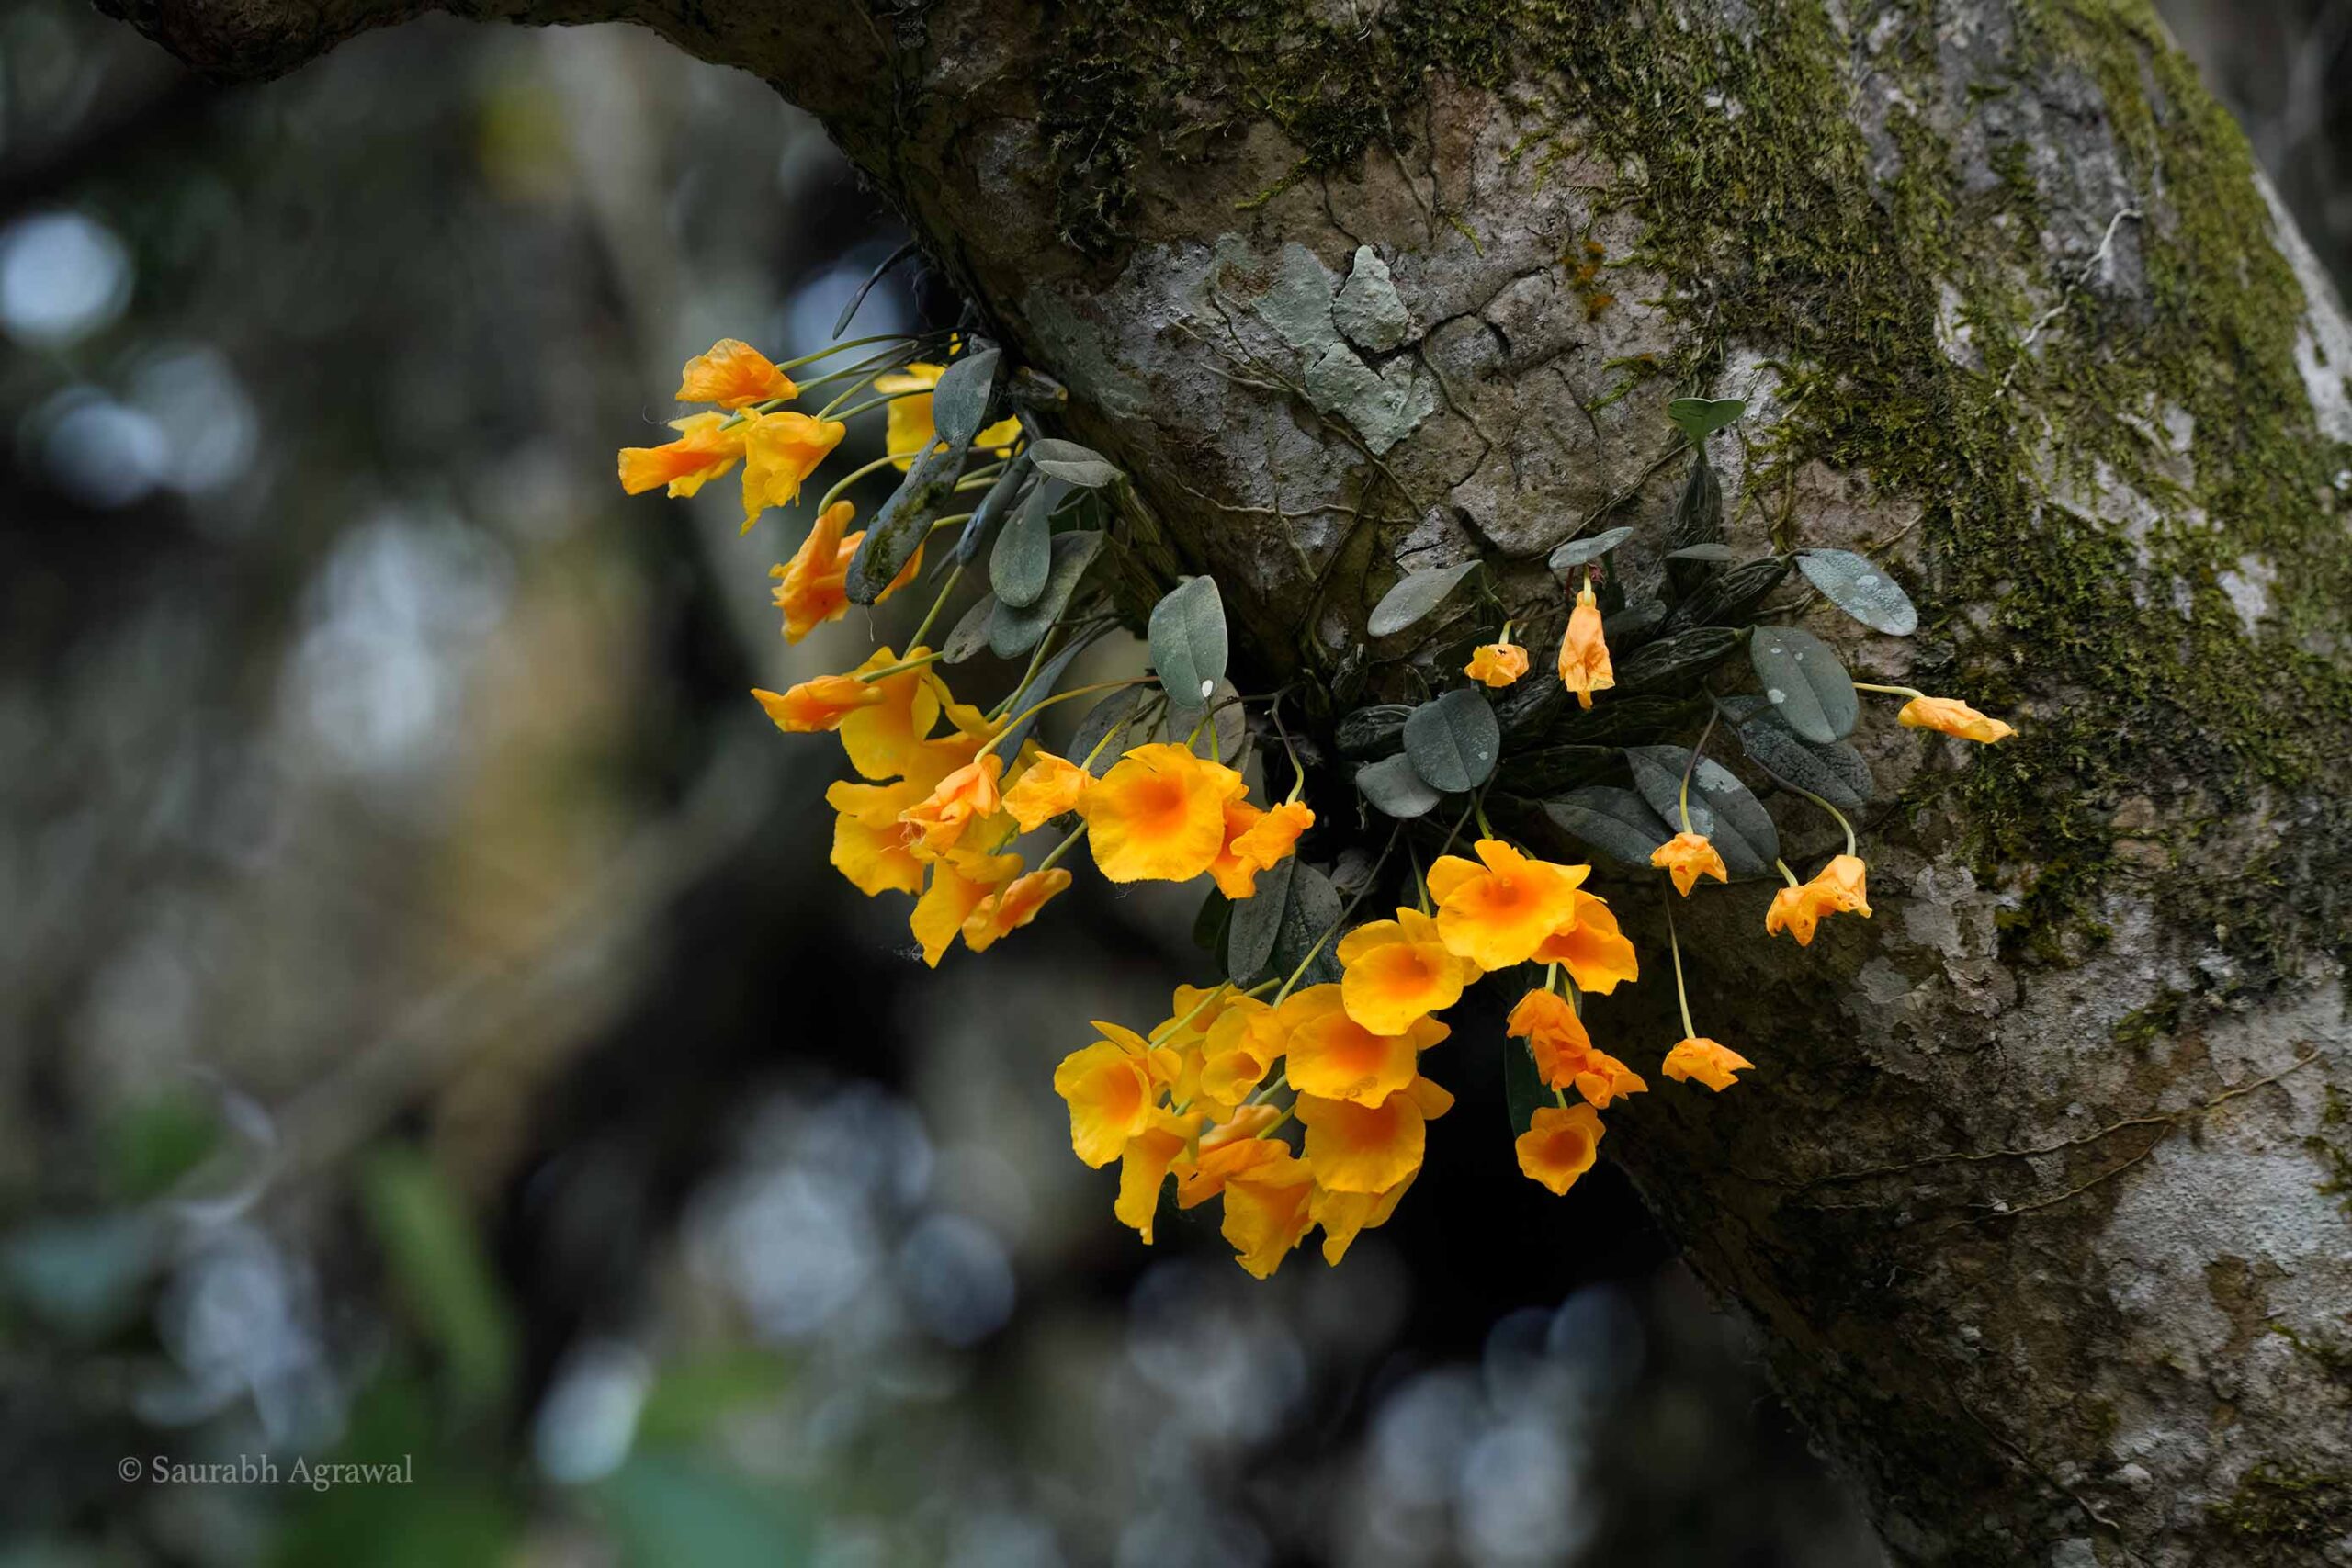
pixel 1159 815
pixel 780 450
pixel 1370 1148
pixel 911 428
pixel 1143 1167
pixel 1498 914
pixel 1241 1047
pixel 1396 971
pixel 1346 1215
pixel 1048 787
pixel 869 841
pixel 732 374
pixel 1267 1211
pixel 958 885
pixel 1236 877
pixel 812 587
pixel 884 738
pixel 1012 907
pixel 1559 1146
pixel 1952 716
pixel 1592 949
pixel 962 798
pixel 1685 857
pixel 1112 1088
pixel 1274 835
pixel 1838 890
pixel 706 449
pixel 1334 1057
pixel 1584 652
pixel 1497 663
pixel 1564 1055
pixel 818 704
pixel 1703 1059
pixel 1231 1146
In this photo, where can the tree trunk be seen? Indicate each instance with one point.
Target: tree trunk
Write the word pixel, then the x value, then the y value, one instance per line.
pixel 2039 1194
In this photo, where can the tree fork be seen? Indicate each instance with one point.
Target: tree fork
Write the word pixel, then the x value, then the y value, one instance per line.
pixel 2038 1190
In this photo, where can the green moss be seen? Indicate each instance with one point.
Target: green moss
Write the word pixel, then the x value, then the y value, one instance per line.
pixel 2333 1144
pixel 1775 222
pixel 2286 1504
pixel 2135 1030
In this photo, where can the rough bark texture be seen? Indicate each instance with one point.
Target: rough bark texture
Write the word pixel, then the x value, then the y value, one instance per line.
pixel 2040 1196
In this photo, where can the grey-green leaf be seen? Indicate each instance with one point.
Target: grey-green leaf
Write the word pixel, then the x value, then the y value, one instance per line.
pixel 972 632
pixel 1455 740
pixel 1721 806
pixel 1394 789
pixel 1675 660
pixel 1617 822
pixel 995 506
pixel 1577 552
pixel 1805 682
pixel 1103 733
pixel 1856 585
pixel 1073 464
pixel 1014 630
pixel 959 404
pixel 1832 771
pixel 1257 922
pixel 902 525
pixel 1187 636
pixel 1024 553
pixel 1313 908
pixel 1716 554
pixel 1698 418
pixel 1415 595
pixel 1375 731
pixel 1038 688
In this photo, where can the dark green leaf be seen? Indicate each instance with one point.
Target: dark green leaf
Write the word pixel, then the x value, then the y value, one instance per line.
pixel 1103 733
pixel 972 632
pixel 1856 585
pixel 1678 661
pixel 995 506
pixel 1698 418
pixel 1212 920
pixel 1805 682
pixel 1551 769
pixel 1617 822
pixel 1025 551
pixel 1455 740
pixel 1073 464
pixel 1577 552
pixel 1714 555
pixel 902 525
pixel 1313 910
pixel 1394 789
pixel 1819 769
pixel 959 404
pixel 1038 688
pixel 1415 595
pixel 1375 731
pixel 1634 625
pixel 1698 520
pixel 1524 1091
pixel 434 1254
pixel 1013 632
pixel 1721 806
pixel 1627 721
pixel 1257 922
pixel 1725 598
pixel 1187 636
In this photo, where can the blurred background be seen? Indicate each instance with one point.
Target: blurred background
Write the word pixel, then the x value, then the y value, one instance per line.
pixel 429 1030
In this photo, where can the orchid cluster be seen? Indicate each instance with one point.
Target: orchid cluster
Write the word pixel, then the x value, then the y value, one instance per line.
pixel 1294 1089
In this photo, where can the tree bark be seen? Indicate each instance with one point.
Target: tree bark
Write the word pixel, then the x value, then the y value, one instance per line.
pixel 2039 1195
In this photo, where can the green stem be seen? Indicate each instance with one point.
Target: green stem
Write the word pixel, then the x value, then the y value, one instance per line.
pixel 1054 856
pixel 1674 947
pixel 1690 766
pixel 936 605
pixel 834 411
pixel 948 522
pixel 1787 873
pixel 1174 1024
pixel 855 475
pixel 1013 724
pixel 1036 662
pixel 826 353
pixel 898 669
pixel 1345 915
pixel 1478 805
pixel 1890 691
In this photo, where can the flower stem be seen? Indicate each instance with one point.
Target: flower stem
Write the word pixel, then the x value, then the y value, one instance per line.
pixel 1681 997
pixel 833 410
pixel 1692 766
pixel 1890 691
pixel 1014 723
pixel 936 605
pixel 828 352
pixel 855 475
pixel 898 669
pixel 1216 994
pixel 1054 856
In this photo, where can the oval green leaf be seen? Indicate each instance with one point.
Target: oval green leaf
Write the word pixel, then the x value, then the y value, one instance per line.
pixel 1698 418
pixel 1257 922
pixel 1313 909
pixel 1525 1092
pixel 959 404
pixel 1073 464
pixel 972 632
pixel 1101 735
pixel 1394 789
pixel 1721 806
pixel 1025 551
pixel 1014 630
pixel 1715 554
pixel 1617 822
pixel 1805 682
pixel 1856 585
pixel 994 507
pixel 1836 771
pixel 1577 552
pixel 1455 740
pixel 1187 636
pixel 1415 595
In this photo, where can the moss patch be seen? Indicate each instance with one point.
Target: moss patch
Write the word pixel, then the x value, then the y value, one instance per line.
pixel 1766 208
pixel 2285 1503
